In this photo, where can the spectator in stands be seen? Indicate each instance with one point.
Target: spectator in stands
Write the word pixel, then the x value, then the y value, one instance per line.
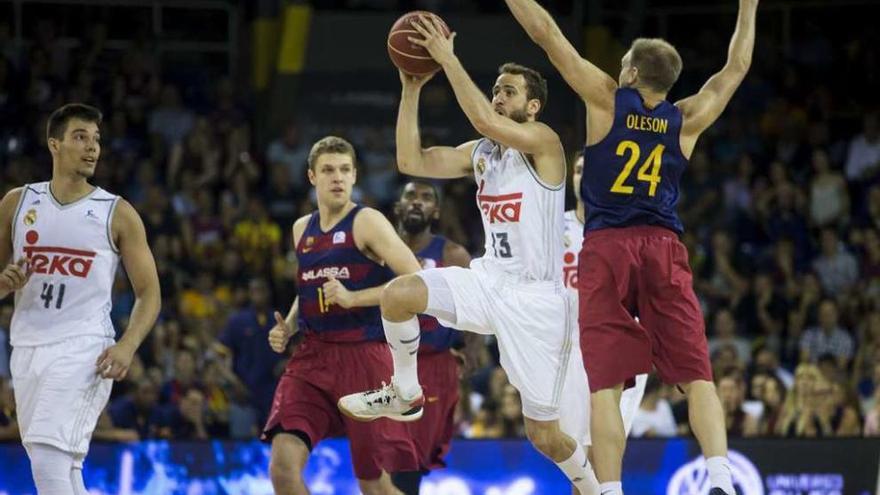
pixel 487 423
pixel 767 361
pixel 139 410
pixel 868 387
pixel 781 214
pixel 701 200
pixel 186 420
pixel 829 198
pixel 763 312
pixel 732 391
pixel 201 300
pixel 169 122
pixel 5 347
pixel 725 332
pixel 863 157
pixel 722 280
pixel 8 424
pixel 838 409
pixel 258 238
pixel 281 197
pixel 183 380
pixel 801 415
pixel 510 414
pixel 724 359
pixel 654 417
pixel 245 339
pixel 290 152
pixel 872 417
pixel 772 397
pixel 828 337
pixel 836 267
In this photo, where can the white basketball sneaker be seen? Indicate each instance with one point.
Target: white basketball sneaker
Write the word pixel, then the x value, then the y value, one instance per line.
pixel 383 402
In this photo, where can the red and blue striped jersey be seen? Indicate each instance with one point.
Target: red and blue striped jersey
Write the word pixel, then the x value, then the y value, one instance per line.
pixel 334 253
pixel 435 337
pixel 632 176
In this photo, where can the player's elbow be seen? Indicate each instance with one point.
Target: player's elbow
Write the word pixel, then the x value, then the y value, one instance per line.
pixel 540 29
pixel 407 163
pixel 740 64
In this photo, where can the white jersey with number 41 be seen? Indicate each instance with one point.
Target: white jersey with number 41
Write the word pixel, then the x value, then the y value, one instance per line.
pixel 73 260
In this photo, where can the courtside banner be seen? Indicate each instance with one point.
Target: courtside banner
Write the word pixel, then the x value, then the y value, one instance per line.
pixel 476 467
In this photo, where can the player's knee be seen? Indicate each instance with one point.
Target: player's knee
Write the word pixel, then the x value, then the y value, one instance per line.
pixel 376 487
pixel 284 473
pixel 288 458
pixel 402 297
pixel 697 387
pixel 542 436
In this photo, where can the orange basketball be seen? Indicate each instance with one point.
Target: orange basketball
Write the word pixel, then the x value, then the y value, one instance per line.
pixel 409 57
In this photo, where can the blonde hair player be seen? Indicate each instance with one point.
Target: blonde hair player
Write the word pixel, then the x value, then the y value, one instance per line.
pixel 632 262
pixel 345 254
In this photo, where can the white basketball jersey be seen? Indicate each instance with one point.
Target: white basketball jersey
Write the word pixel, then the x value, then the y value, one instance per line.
pixel 73 260
pixel 573 239
pixel 522 216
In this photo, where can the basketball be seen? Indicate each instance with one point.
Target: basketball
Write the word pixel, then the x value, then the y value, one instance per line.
pixel 409 57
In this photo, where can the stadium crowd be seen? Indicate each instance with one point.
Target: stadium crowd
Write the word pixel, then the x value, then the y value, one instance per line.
pixel 781 205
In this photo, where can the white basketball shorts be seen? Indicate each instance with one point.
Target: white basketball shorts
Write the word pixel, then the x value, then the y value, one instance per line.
pixel 532 322
pixel 58 392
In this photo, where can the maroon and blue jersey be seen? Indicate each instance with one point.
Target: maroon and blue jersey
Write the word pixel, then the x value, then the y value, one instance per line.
pixel 335 254
pixel 435 337
pixel 632 176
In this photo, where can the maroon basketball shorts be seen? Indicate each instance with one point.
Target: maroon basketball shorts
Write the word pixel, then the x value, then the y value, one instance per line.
pixel 305 403
pixel 639 272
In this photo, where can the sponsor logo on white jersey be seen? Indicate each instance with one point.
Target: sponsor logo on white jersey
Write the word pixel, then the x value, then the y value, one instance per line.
pixel 500 208
pixel 56 260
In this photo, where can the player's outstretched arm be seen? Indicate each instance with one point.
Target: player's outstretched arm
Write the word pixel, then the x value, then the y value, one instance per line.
pixel 703 108
pixel 533 138
pixel 439 162
pixel 374 235
pixel 131 239
pixel 591 83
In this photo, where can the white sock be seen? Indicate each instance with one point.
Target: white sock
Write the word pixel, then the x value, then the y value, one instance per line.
pixel 51 468
pixel 403 340
pixel 611 488
pixel 719 474
pixel 76 479
pixel 577 468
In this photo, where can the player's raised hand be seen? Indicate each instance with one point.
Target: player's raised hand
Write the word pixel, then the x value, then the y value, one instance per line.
pixel 280 334
pixel 438 45
pixel 411 81
pixel 114 361
pixel 15 275
pixel 336 293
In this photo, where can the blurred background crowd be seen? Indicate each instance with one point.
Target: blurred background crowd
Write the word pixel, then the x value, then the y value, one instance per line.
pixel 781 205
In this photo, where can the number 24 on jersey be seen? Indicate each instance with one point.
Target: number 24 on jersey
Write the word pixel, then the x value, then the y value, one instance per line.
pixel 649 171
